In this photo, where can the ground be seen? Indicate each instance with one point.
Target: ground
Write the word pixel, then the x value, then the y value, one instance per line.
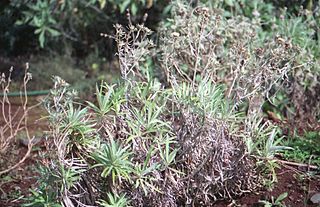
pixel 299 183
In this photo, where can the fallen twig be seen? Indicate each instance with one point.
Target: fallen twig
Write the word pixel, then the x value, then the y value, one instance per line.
pixel 313 167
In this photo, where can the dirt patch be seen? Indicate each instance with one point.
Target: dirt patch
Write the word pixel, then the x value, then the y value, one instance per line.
pixel 299 186
pixel 17 183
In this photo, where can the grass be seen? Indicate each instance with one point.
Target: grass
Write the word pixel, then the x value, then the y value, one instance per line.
pixel 305 148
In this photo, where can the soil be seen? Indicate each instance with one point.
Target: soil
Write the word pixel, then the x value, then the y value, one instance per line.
pixel 299 186
pixel 14 187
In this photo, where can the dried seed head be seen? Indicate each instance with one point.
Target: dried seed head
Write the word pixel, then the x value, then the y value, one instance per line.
pixel 175 34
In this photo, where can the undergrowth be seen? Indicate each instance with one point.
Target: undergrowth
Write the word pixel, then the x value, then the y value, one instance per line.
pixel 306 148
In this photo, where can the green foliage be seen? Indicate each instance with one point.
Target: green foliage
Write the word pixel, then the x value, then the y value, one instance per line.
pixel 79 128
pixel 114 201
pixel 301 30
pixel 268 170
pixel 271 146
pixel 147 145
pixel 39 15
pixel 261 10
pixel 143 173
pixel 146 121
pixel 108 99
pixel 168 156
pixel 46 193
pixel 296 21
pixel 133 6
pixel 69 177
pixel 56 20
pixel 306 148
pixel 276 202
pixel 208 99
pixel 115 161
pixel 42 199
pixel 44 15
pixel 52 182
pixel 263 139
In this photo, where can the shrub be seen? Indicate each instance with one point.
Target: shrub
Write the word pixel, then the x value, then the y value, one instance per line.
pixel 228 51
pixel 177 140
pixel 304 79
pixel 165 139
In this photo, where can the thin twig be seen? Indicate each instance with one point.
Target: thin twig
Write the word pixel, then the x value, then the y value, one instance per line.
pixel 313 167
